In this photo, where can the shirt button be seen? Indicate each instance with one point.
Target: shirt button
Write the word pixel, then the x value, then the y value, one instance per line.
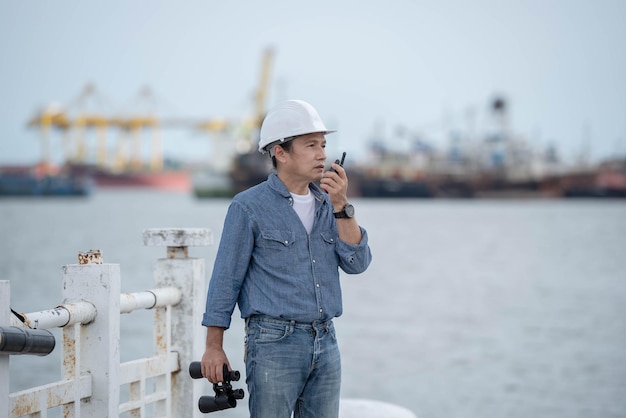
pixel 286 242
pixel 318 285
pixel 313 261
pixel 321 310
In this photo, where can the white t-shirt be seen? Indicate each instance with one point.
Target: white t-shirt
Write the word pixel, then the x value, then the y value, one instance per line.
pixel 304 205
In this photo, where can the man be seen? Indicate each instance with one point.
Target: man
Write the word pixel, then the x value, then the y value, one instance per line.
pixel 282 245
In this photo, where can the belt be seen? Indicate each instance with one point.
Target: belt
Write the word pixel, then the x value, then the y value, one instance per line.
pixel 280 321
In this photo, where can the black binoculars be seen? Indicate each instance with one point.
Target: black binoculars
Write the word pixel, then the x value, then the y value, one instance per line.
pixel 225 396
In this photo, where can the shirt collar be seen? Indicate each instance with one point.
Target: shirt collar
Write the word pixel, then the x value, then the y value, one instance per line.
pixel 277 185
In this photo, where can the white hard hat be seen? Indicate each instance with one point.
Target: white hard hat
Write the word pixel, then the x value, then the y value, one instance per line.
pixel 287 120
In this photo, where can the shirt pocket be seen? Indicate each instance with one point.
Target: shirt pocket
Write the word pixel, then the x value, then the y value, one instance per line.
pixel 329 237
pixel 276 239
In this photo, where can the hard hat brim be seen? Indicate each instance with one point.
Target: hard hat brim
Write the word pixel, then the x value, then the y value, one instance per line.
pixel 271 145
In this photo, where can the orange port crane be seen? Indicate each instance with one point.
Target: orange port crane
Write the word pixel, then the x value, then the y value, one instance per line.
pixel 91 110
pixel 81 115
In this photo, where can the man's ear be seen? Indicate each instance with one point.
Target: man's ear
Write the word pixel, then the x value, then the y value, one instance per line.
pixel 280 154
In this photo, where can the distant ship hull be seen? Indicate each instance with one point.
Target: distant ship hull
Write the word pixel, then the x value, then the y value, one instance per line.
pixel 387 188
pixel 27 181
pixel 173 180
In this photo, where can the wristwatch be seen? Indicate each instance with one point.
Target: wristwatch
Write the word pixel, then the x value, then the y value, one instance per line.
pixel 346 212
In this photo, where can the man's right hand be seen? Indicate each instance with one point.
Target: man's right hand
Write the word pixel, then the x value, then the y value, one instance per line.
pixel 214 357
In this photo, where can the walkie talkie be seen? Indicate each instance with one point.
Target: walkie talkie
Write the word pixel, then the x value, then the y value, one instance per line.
pixel 340 162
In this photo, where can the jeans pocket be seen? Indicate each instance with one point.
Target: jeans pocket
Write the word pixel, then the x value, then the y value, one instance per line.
pixel 331 332
pixel 271 333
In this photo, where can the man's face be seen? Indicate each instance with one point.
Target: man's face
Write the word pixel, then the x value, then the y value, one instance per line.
pixel 307 157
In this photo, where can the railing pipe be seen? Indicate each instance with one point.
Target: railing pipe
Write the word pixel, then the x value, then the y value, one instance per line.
pixel 154 298
pixel 18 340
pixel 85 312
pixel 61 316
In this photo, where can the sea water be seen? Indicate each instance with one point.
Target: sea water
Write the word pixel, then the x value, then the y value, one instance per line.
pixel 470 308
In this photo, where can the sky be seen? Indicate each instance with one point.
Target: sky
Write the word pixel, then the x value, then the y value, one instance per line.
pixel 372 69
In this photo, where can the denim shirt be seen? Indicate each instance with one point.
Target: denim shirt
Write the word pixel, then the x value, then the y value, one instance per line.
pixel 268 264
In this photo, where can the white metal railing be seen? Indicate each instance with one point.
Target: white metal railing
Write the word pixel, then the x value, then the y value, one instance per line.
pixel 92 376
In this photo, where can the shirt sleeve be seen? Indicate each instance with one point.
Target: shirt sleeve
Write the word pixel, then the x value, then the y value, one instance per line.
pixel 230 267
pixel 354 258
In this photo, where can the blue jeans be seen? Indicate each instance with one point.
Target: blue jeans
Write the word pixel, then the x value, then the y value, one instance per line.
pixel 292 367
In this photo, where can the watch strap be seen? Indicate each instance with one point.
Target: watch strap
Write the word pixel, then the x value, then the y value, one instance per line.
pixel 346 212
pixel 341 214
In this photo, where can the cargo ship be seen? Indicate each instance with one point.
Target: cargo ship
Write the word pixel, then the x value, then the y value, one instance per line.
pixel 42 181
pixel 167 179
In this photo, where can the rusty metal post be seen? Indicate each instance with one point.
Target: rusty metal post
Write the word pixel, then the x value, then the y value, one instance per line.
pixel 5 302
pixel 94 348
pixel 187 334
